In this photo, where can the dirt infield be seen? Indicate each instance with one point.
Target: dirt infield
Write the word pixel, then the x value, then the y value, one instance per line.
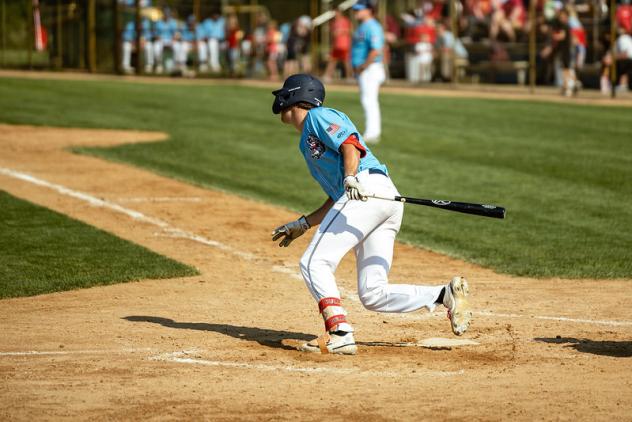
pixel 220 346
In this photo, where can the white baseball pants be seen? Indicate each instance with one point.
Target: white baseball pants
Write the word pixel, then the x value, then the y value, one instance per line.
pixel 213 49
pixel 369 228
pixel 370 80
pixel 202 50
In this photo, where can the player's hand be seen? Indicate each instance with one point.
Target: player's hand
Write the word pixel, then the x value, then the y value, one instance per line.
pixel 354 189
pixel 290 231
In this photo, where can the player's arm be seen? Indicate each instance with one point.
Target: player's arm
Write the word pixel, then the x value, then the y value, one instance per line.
pixel 352 151
pixel 317 216
pixel 369 59
pixel 290 231
pixel 351 158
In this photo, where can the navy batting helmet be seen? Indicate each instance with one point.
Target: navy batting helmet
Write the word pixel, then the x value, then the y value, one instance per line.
pixel 300 88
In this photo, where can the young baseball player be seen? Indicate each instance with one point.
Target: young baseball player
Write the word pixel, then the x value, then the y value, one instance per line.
pixel 343 165
pixel 367 52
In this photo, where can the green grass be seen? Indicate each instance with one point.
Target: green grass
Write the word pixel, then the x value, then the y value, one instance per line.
pixel 43 251
pixel 563 171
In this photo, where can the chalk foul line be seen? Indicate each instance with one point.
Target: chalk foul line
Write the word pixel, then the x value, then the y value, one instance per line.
pixel 183 358
pixel 175 232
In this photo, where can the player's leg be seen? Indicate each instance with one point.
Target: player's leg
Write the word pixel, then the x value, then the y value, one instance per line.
pixel 202 51
pixel 213 48
pixel 158 50
pixel 370 81
pixel 374 257
pixel 149 56
pixel 127 57
pixel 346 225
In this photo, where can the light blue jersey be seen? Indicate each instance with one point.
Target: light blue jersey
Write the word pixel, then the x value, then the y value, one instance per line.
pixel 200 32
pixel 147 32
pixel 186 33
pixel 215 28
pixel 369 36
pixel 166 29
pixel 324 130
pixel 129 33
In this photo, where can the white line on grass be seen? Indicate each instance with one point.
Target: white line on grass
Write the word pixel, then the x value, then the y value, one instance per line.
pixel 183 234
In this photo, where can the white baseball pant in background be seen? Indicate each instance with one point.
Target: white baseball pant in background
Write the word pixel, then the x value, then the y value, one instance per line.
pixel 370 80
pixel 369 228
pixel 213 48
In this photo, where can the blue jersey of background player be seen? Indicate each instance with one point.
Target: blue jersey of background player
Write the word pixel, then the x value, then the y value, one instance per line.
pixel 368 36
pixel 324 132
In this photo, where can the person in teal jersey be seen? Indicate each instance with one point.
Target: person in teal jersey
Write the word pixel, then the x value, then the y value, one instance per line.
pixel 367 51
pixel 350 174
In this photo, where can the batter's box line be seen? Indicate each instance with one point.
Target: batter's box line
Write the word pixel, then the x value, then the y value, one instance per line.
pixel 76 352
pixel 177 357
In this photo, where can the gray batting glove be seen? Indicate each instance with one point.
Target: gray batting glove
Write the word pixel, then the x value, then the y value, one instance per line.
pixel 290 231
pixel 354 189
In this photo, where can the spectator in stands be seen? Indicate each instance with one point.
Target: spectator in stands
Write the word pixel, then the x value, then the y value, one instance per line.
pixel 560 50
pixel 215 29
pixel 624 16
pixel 478 14
pixel 414 34
pixel 234 37
pixel 340 30
pixel 274 39
pixel 421 69
pixel 259 44
pixel 298 47
pixel 578 38
pixel 509 18
pixel 450 51
pixel 624 61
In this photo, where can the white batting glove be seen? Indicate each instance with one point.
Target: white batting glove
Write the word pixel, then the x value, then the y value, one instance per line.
pixel 290 231
pixel 354 189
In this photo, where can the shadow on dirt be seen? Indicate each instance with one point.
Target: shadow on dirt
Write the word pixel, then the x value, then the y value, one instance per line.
pixel 617 349
pixel 265 337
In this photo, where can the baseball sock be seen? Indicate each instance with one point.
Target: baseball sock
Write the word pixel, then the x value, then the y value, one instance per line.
pixel 440 298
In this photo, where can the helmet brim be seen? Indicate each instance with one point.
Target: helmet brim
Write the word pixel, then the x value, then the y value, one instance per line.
pixel 280 100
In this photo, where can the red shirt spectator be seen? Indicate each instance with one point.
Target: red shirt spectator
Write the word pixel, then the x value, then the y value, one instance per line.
pixel 414 34
pixel 341 32
pixel 624 17
pixel 515 10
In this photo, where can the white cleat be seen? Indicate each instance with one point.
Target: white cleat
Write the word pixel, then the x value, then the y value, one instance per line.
pixel 455 299
pixel 331 343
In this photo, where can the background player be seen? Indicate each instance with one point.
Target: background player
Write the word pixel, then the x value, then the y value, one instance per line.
pixel 340 161
pixel 366 59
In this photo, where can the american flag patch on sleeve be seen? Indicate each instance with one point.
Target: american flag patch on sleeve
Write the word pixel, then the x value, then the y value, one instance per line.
pixel 333 128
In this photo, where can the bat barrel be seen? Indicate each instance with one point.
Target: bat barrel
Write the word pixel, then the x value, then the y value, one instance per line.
pixel 484 210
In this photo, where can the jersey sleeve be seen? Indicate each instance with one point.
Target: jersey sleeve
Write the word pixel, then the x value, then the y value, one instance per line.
pixel 330 128
pixel 375 37
pixel 353 140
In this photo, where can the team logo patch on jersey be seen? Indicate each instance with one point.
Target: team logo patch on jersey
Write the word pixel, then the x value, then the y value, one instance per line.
pixel 316 147
pixel 333 128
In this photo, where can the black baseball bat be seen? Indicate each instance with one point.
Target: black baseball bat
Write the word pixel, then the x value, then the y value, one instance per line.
pixel 484 210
